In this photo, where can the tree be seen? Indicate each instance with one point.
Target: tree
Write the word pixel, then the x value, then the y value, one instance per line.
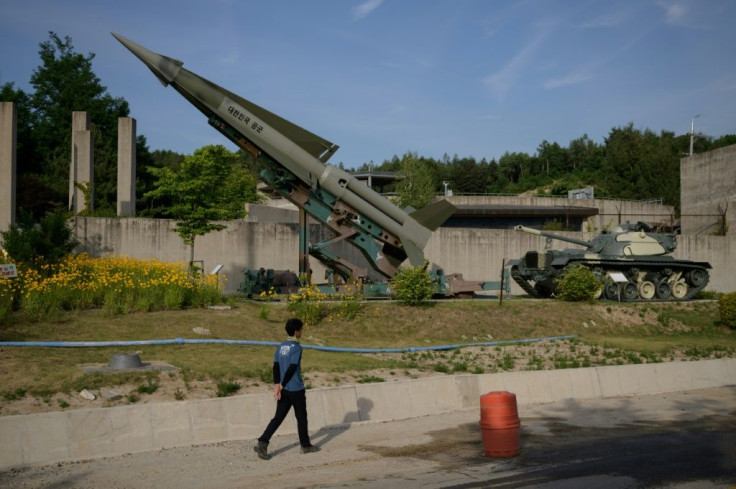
pixel 208 186
pixel 415 188
pixel 65 83
pixel 585 153
pixel 468 177
pixel 145 179
pixel 514 166
pixel 552 159
pixel 624 162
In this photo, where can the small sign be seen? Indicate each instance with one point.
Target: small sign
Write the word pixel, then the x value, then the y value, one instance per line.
pixel 618 277
pixel 8 270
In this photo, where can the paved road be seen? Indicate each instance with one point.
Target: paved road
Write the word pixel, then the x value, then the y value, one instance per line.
pixel 678 440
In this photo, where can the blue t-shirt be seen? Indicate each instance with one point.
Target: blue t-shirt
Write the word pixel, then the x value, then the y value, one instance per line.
pixel 287 353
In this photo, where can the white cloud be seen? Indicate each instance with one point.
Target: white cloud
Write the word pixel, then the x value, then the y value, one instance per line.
pixel 611 20
pixel 674 11
pixel 366 8
pixel 571 79
pixel 504 79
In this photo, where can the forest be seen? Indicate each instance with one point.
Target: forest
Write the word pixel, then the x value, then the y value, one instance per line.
pixel 631 163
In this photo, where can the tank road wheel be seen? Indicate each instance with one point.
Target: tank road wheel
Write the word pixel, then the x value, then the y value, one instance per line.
pixel 647 290
pixel 611 290
pixel 629 292
pixel 598 293
pixel 679 290
pixel 697 277
pixel 663 290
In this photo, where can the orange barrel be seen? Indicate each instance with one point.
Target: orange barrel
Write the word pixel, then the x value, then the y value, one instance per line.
pixel 499 420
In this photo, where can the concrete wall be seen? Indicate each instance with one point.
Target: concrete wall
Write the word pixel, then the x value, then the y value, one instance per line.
pixel 610 212
pixel 706 181
pixel 476 253
pixel 83 434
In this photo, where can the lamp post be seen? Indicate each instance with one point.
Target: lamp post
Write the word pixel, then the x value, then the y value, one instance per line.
pixel 692 132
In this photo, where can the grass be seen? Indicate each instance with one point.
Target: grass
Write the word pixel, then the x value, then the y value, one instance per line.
pixel 226 388
pixel 609 334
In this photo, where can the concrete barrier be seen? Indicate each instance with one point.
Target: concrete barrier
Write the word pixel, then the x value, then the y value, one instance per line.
pixel 38 439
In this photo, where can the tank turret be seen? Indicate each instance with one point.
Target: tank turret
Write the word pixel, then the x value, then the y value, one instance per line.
pixel 631 262
pixel 626 240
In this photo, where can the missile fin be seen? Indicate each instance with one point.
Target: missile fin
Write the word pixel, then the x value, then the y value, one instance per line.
pixel 414 252
pixel 434 215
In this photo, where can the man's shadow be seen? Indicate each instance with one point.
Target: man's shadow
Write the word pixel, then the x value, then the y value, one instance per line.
pixel 326 434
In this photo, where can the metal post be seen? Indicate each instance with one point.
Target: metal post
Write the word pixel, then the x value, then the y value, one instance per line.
pixel 692 132
pixel 500 295
pixel 303 243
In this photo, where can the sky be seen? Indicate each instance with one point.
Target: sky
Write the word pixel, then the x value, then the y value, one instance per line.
pixel 473 78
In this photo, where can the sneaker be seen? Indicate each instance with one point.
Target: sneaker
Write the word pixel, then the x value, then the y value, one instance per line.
pixel 261 450
pixel 310 449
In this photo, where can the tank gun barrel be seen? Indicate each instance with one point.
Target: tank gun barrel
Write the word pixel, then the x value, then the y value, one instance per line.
pixel 580 242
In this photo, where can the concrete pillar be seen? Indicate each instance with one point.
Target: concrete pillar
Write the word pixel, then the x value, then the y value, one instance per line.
pixel 126 166
pixel 81 169
pixel 8 136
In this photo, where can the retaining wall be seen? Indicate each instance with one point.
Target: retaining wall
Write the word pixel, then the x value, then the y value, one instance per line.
pixel 84 434
pixel 707 184
pixel 476 253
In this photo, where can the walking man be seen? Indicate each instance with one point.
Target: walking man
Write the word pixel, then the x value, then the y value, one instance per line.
pixel 288 390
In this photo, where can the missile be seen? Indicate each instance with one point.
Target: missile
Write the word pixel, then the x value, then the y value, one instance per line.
pixel 299 151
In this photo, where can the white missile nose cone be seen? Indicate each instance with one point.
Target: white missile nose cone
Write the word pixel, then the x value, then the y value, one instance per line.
pixel 163 67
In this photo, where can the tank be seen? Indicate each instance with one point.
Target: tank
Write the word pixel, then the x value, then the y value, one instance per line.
pixel 632 263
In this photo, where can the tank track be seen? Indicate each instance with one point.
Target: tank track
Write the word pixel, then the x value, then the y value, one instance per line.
pixel 683 266
pixel 613 265
pixel 523 283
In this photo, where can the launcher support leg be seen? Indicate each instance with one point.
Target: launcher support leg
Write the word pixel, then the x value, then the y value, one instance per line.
pixel 304 269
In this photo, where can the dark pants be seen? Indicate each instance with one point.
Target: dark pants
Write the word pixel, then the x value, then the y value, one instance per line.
pixel 298 399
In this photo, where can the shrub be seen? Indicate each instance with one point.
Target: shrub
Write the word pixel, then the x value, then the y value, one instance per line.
pixel 727 309
pixel 149 388
pixel 577 283
pixel 39 245
pixel 225 388
pixel 413 286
